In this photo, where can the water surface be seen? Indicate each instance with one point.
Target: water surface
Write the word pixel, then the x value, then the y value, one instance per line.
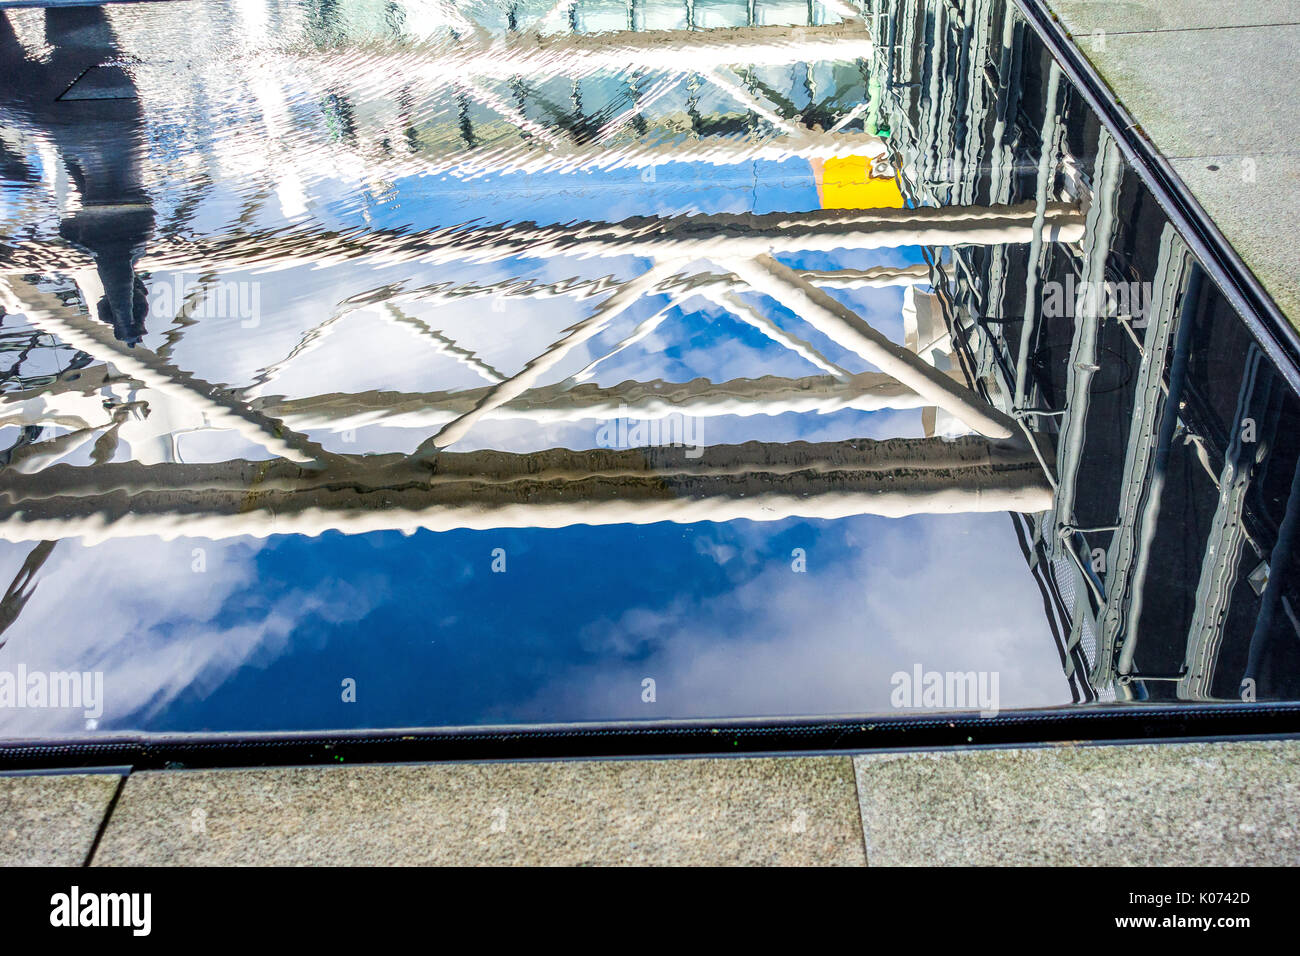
pixel 407 364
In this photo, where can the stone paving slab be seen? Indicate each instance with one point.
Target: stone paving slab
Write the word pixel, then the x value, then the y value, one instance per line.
pixel 1207 92
pixel 1255 201
pixel 795 811
pixel 51 820
pixel 1222 804
pixel 1142 16
pixel 1213 84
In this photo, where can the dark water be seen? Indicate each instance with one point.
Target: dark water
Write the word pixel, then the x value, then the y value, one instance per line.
pixel 397 364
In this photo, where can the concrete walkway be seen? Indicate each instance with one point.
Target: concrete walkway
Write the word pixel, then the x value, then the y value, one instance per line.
pixel 1213 86
pixel 1229 804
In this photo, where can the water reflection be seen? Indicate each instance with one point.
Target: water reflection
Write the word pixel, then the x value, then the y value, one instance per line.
pixel 76 92
pixel 502 360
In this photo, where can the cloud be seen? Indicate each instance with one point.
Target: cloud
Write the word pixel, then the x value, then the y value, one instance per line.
pixel 138 610
pixel 945 592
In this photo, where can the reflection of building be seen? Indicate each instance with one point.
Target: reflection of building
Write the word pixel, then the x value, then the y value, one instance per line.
pixel 1144 500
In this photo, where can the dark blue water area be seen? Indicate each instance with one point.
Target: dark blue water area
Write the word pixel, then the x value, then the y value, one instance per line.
pixel 735 619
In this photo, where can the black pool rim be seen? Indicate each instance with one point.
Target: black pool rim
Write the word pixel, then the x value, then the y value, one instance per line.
pixel 1070 726
pixel 1076 725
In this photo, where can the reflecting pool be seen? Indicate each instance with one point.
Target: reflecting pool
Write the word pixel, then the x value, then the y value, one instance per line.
pixel 427 364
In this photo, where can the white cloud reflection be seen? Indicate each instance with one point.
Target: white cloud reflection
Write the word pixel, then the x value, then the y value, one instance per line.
pixel 945 592
pixel 137 610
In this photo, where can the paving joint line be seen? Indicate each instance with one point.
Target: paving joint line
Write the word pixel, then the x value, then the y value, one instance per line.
pixel 103 824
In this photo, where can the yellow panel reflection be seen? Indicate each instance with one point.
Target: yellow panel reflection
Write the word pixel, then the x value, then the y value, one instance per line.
pixel 847 183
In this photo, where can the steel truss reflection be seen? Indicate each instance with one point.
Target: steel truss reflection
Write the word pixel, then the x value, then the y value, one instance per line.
pixel 307 489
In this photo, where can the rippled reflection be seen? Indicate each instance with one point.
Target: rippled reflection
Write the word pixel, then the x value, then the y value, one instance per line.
pixel 604 361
